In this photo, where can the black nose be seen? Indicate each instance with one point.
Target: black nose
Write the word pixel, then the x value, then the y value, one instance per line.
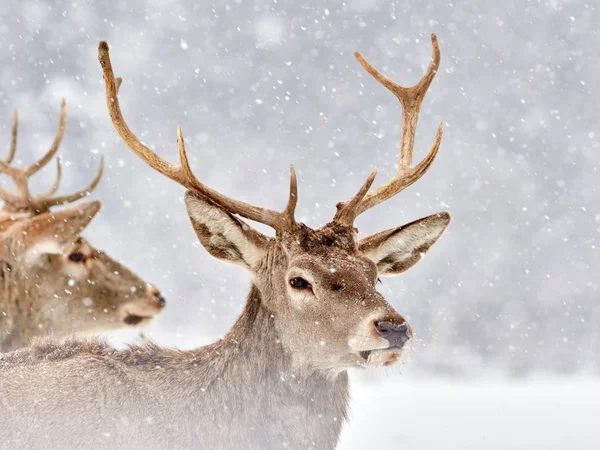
pixel 161 301
pixel 396 335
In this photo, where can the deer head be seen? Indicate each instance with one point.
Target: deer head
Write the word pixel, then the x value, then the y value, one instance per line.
pixel 319 284
pixel 57 281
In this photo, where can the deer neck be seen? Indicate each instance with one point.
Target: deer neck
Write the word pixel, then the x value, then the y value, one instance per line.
pixel 22 314
pixel 254 339
pixel 14 308
pixel 263 387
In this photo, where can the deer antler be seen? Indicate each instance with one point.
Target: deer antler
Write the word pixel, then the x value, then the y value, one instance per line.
pixel 13 138
pixel 22 200
pixel 182 174
pixel 411 99
pixel 57 181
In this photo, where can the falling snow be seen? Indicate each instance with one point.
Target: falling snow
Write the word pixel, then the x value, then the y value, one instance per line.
pixel 510 290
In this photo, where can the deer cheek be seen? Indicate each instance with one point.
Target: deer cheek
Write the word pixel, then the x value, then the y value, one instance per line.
pixel 75 270
pixel 301 299
pixel 384 359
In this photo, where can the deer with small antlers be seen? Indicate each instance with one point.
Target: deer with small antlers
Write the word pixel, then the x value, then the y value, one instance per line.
pixel 278 379
pixel 52 281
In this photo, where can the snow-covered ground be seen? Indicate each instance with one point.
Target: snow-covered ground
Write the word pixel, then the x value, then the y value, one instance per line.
pixel 497 414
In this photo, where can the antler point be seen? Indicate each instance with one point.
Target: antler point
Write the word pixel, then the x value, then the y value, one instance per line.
pixel 411 98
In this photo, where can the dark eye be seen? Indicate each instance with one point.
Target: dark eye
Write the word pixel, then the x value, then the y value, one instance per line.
pixel 378 280
pixel 328 241
pixel 77 257
pixel 299 283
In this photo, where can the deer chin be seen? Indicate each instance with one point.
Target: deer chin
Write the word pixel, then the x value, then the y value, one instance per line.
pixel 381 357
pixel 133 320
pixel 135 316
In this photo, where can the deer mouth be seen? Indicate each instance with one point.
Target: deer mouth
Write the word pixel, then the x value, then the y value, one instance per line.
pixel 365 354
pixel 136 315
pixel 134 319
pixel 381 357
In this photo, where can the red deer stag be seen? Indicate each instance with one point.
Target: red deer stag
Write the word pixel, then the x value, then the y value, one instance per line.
pixel 278 379
pixel 52 281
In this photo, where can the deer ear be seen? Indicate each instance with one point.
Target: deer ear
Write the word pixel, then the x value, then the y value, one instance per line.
pixel 398 249
pixel 54 230
pixel 225 236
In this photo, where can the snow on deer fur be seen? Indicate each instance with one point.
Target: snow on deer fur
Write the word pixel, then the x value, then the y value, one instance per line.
pixel 278 378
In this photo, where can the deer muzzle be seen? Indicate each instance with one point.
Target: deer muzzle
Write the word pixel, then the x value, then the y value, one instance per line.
pixel 396 334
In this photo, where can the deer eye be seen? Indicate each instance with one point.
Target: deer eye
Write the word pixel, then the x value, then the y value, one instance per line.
pixel 299 283
pixel 77 257
pixel 379 280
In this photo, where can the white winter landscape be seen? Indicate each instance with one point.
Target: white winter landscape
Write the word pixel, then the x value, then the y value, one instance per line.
pixel 505 307
pixel 538 413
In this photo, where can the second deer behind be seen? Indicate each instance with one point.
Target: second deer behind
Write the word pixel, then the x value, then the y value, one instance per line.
pixel 52 280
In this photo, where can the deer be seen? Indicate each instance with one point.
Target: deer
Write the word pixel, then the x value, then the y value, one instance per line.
pixel 279 376
pixel 52 280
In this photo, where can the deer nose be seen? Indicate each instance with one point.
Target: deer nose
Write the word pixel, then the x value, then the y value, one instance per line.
pixel 156 297
pixel 396 335
pixel 161 300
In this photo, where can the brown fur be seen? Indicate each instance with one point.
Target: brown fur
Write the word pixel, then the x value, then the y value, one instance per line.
pixel 43 292
pixel 249 397
pixel 278 379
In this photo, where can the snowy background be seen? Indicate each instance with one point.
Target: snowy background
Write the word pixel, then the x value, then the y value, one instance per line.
pixel 510 291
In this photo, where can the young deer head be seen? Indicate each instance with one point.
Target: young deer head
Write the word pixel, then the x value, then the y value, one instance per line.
pixel 52 280
pixel 320 284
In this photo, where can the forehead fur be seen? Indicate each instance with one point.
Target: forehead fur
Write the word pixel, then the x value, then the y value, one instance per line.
pixel 324 240
pixel 46 246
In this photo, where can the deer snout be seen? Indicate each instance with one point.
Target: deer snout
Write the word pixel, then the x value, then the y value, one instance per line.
pixel 156 298
pixel 396 335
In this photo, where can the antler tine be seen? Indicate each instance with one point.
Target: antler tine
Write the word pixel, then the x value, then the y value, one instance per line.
pixel 188 179
pixel 15 173
pixel 57 181
pixel 181 174
pixel 411 99
pixel 36 166
pixel 20 175
pixel 346 212
pixel 112 100
pixel 290 209
pixel 13 138
pixel 22 200
pixel 402 180
pixel 43 203
pixel 9 197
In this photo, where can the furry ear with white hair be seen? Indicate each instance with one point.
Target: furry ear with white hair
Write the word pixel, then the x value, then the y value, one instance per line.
pixel 398 249
pixel 223 235
pixel 52 232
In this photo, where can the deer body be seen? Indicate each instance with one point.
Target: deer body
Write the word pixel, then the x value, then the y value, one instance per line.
pixel 242 392
pixel 52 281
pixel 278 379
